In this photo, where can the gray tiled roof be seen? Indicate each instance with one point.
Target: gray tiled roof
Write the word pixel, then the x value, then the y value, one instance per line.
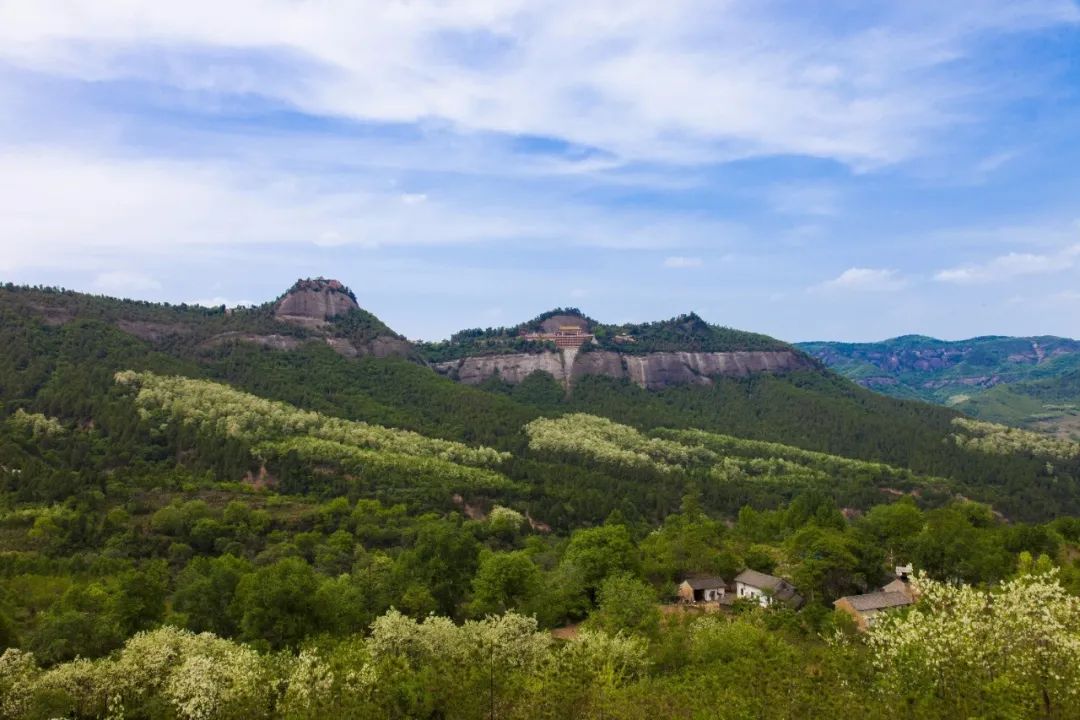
pixel 897 585
pixel 759 580
pixel 878 600
pixel 705 583
pixel 779 588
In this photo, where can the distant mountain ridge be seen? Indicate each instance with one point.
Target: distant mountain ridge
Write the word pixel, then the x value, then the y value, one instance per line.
pixel 317 350
pixel 1028 381
pixel 312 310
pixel 568 345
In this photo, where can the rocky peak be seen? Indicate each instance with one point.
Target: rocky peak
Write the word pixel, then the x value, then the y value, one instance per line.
pixel 314 301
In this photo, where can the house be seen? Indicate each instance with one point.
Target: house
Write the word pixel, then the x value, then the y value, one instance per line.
pixel 901 583
pixel 564 336
pixel 766 589
pixel 702 589
pixel 867 607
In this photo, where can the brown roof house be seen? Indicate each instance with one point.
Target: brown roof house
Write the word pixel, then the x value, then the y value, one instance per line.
pixel 702 590
pixel 766 589
pixel 867 607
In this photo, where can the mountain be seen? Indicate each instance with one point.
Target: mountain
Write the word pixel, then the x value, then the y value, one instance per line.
pixel 1025 381
pixel 316 349
pixel 569 346
pixel 189 496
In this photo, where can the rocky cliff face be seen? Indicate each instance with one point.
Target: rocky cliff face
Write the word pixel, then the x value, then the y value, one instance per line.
pixel 653 371
pixel 313 302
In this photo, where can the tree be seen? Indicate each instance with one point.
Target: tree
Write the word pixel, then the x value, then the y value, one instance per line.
pixel 442 560
pixel 596 553
pixel 687 542
pixel 81 624
pixel 205 590
pixel 626 604
pixel 959 542
pixel 961 649
pixel 139 599
pixel 277 604
pixel 892 527
pixel 825 561
pixel 504 581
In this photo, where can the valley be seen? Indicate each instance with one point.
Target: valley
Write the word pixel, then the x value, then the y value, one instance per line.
pixel 298 477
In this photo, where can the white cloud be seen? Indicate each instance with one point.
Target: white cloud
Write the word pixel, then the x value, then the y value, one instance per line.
pixel 681 262
pixel 687 80
pixel 124 283
pixel 85 211
pixel 804 199
pixel 865 280
pixel 992 163
pixel 218 301
pixel 1005 267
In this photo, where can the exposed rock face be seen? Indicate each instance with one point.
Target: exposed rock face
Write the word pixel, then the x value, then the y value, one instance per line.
pixel 313 302
pixel 342 347
pixel 274 342
pixel 511 368
pixel 151 331
pixel 386 346
pixel 602 362
pixel 653 371
pixel 658 370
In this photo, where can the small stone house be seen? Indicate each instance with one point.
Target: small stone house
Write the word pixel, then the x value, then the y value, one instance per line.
pixel 702 590
pixel 867 607
pixel 901 583
pixel 766 589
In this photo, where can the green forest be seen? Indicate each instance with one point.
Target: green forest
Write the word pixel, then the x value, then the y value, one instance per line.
pixel 688 333
pixel 195 525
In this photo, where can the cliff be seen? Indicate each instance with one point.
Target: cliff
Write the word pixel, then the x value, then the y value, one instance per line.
pixel 653 371
pixel 330 310
pixel 314 301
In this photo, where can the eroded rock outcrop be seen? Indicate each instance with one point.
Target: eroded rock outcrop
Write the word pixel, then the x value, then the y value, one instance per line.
pixel 313 302
pixel 653 371
pixel 511 368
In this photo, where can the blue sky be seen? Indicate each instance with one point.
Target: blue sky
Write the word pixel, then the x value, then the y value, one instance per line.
pixel 812 170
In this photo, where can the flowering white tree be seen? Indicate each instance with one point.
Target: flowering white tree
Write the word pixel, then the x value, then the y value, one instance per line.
pixel 200 677
pixel 217 409
pixel 961 648
pixel 18 675
pixel 610 443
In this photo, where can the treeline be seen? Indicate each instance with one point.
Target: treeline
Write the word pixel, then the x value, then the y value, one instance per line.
pixel 1004 659
pixel 66 371
pixel 684 333
pixel 312 644
pixel 149 547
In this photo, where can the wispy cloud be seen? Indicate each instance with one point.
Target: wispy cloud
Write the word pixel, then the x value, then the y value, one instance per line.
pixel 409 143
pixel 686 81
pixel 1012 265
pixel 806 199
pixel 218 301
pixel 865 280
pixel 125 283
pixel 91 209
pixel 681 262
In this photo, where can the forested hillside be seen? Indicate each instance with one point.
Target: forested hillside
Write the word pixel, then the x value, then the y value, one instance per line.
pixel 1030 381
pixel 363 537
